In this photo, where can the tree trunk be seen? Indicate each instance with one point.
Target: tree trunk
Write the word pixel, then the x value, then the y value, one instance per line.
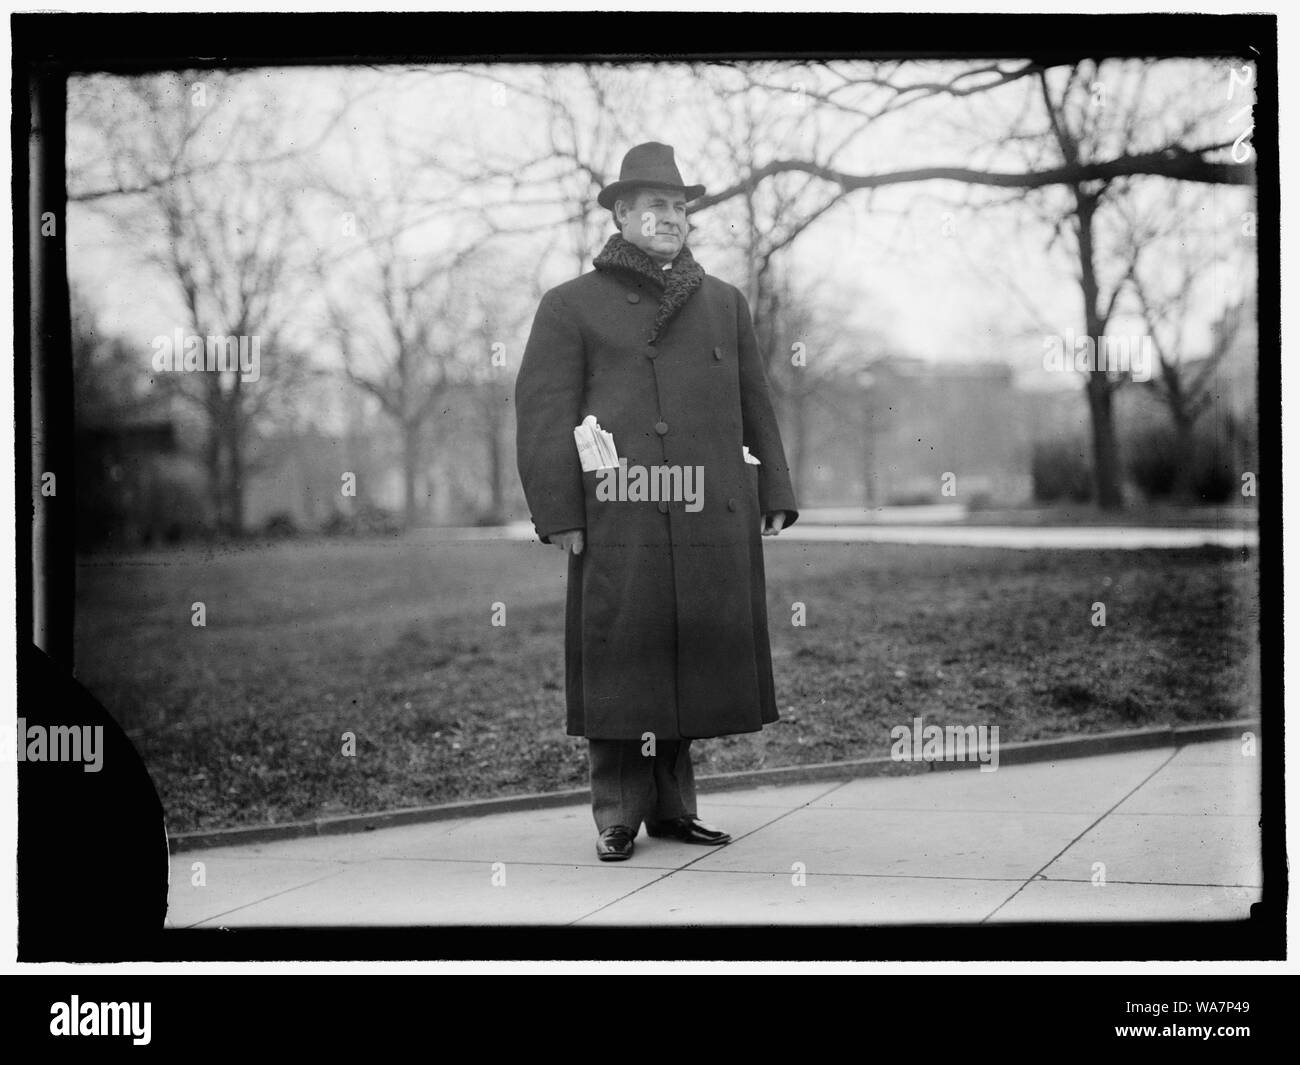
pixel 496 463
pixel 212 458
pixel 410 464
pixel 1105 451
pixel 798 408
pixel 870 428
pixel 235 453
pixel 1184 445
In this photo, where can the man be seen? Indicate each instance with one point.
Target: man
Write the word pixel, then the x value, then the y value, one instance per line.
pixel 666 635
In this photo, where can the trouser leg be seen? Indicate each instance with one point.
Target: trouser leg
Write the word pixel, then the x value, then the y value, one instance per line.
pixel 622 783
pixel 674 780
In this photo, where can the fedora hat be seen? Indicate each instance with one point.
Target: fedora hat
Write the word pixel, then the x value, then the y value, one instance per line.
pixel 648 165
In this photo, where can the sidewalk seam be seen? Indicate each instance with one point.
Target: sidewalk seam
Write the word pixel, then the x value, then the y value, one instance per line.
pixel 265 898
pixel 707 852
pixel 1046 865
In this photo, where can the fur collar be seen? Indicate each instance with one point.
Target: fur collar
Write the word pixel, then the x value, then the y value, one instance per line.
pixel 676 285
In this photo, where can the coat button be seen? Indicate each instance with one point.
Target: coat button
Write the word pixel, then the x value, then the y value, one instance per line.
pixel 632 297
pixel 717 353
pixel 661 428
pixel 663 507
pixel 653 353
pixel 731 504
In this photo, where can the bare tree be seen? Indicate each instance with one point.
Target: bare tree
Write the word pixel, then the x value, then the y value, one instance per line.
pixel 1179 261
pixel 399 318
pixel 819 362
pixel 398 349
pixel 1095 149
pixel 221 235
pixel 500 330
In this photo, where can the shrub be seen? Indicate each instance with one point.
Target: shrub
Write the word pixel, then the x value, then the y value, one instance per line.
pixel 280 526
pixel 1214 475
pixel 377 521
pixel 1210 469
pixel 915 497
pixel 1153 461
pixel 365 520
pixel 488 517
pixel 1061 470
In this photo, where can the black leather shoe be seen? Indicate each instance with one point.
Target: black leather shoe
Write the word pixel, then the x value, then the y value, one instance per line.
pixel 615 844
pixel 688 829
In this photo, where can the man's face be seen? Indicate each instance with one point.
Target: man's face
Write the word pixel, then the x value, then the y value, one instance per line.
pixel 655 221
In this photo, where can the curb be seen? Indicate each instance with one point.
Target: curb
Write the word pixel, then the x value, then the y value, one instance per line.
pixel 1020 753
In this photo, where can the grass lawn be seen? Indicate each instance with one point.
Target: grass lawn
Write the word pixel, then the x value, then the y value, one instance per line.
pixel 241 722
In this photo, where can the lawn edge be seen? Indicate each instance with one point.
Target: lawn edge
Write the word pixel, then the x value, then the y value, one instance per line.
pixel 1019 753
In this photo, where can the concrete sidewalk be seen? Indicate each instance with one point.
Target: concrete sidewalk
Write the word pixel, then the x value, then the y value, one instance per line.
pixel 1160 834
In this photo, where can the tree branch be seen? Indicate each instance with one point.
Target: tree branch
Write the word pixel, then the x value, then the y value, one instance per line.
pixel 1183 164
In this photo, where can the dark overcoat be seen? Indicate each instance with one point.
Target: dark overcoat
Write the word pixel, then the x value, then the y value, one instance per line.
pixel 666 615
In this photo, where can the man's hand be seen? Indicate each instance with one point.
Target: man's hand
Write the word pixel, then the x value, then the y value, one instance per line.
pixel 572 540
pixel 773 522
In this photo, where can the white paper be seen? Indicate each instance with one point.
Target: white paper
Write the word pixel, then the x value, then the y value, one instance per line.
pixel 596 449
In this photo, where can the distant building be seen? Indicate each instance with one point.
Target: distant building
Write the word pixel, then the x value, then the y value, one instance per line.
pixel 887 436
pixel 135 487
pixel 298 478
